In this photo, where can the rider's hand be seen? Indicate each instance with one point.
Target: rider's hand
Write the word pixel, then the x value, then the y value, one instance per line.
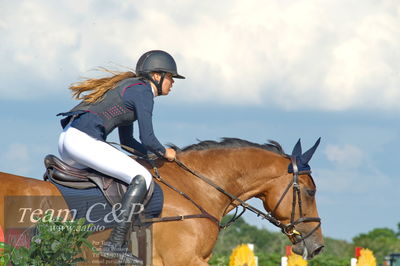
pixel 170 154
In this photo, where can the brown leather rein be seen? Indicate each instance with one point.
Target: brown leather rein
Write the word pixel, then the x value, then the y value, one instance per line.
pixel 288 229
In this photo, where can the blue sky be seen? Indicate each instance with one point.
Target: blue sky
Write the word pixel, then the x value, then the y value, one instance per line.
pixel 257 70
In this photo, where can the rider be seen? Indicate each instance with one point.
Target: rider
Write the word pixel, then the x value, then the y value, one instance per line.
pixel 112 102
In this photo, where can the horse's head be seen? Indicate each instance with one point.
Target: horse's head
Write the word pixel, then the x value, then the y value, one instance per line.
pixel 291 201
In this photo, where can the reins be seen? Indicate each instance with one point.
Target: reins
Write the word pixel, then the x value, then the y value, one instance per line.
pixel 288 229
pixel 203 214
pixel 242 203
pixel 156 175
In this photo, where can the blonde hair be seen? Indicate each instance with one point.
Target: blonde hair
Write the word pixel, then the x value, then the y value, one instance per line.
pixel 97 87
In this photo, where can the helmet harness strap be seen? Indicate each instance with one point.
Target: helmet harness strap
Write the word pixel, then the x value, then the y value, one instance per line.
pixel 158 84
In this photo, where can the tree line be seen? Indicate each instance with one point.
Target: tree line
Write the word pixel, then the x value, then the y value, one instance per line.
pixel 270 246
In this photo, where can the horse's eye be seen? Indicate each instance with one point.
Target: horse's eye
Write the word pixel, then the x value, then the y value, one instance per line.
pixel 311 192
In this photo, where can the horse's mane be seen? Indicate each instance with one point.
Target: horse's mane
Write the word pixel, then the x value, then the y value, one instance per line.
pixel 272 146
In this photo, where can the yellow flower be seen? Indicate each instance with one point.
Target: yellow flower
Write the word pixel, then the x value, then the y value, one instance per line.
pixel 366 258
pixel 296 260
pixel 242 255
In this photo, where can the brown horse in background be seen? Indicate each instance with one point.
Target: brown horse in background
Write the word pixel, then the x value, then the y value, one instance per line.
pixel 243 169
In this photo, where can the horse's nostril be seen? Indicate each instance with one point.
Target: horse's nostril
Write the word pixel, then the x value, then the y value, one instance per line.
pixel 317 251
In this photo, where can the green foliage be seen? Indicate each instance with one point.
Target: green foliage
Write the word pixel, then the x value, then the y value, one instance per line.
pixel 2 258
pixel 330 260
pixel 382 241
pixel 270 246
pixel 398 230
pixel 266 259
pixel 338 248
pixel 56 243
pixel 219 260
pixel 241 232
pixel 336 253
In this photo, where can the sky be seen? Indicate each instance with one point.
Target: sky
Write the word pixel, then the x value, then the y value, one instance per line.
pixel 256 69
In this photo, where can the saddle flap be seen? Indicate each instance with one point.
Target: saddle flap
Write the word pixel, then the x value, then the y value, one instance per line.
pixel 66 176
pixel 63 171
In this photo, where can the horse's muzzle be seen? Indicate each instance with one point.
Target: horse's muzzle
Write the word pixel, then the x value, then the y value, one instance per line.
pixel 308 249
pixel 317 251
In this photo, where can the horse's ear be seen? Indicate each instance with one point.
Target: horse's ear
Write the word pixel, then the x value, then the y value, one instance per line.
pixel 306 157
pixel 297 149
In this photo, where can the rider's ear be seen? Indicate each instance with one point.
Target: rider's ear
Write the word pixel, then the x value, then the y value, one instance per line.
pixel 156 76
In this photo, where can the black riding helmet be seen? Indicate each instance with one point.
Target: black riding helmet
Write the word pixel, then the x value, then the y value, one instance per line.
pixel 157 61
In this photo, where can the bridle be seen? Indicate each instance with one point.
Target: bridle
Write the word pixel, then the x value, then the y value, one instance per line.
pixel 288 229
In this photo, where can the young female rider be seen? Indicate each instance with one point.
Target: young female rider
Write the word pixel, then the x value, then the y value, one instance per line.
pixel 116 102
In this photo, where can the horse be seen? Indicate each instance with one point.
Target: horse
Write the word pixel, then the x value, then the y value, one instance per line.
pixel 216 177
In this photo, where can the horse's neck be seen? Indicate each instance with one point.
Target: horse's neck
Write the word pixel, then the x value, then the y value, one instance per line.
pixel 243 173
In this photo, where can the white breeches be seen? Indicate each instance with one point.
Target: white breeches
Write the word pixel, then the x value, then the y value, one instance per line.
pixel 80 150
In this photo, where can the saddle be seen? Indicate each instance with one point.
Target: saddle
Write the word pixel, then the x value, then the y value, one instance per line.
pixel 61 173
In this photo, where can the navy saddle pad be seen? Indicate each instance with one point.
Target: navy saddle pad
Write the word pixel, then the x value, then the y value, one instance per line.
pixel 92 205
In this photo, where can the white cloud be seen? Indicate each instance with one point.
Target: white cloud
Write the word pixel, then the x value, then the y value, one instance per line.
pixel 346 156
pixel 17 151
pixel 353 171
pixel 308 54
pixel 16 158
pixel 334 181
pixel 21 159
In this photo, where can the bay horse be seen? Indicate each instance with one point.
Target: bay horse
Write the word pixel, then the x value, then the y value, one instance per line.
pixel 218 176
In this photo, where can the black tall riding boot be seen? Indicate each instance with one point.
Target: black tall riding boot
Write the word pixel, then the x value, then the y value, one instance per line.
pixel 116 247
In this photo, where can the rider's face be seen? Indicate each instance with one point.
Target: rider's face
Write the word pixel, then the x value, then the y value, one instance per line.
pixel 167 83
